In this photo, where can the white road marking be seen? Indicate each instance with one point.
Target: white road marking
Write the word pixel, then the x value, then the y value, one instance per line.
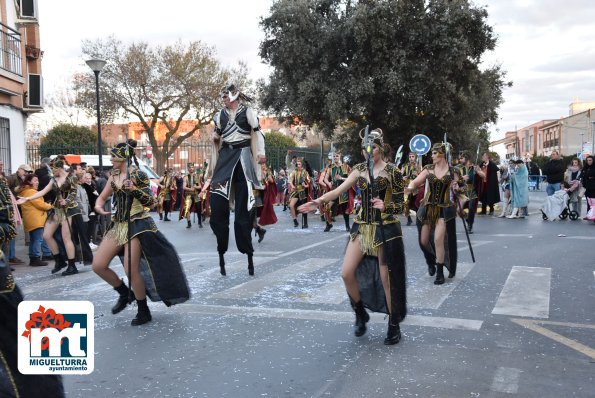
pixel 344 237
pixel 274 278
pixel 506 380
pixel 317 315
pixel 424 294
pixel 474 243
pixel 525 293
pixel 331 293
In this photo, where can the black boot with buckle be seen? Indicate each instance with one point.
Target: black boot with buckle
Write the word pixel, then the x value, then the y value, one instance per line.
pixel 143 315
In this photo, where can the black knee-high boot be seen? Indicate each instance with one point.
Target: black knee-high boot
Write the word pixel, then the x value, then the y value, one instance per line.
pixel 250 265
pixel 124 298
pixel 222 264
pixel 71 270
pixel 361 318
pixel 439 274
pixel 143 315
pixel 346 218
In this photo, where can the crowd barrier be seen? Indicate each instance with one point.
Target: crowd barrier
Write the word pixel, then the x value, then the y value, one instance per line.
pixel 537 183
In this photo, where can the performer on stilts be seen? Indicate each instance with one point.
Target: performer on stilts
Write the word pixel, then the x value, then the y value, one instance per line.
pixel 336 174
pixel 240 149
pixel 410 170
pixel 374 263
pixel 191 200
pixel 437 214
pixel 166 197
pixel 153 268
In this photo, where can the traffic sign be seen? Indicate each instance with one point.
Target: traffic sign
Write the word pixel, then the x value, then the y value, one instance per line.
pixel 420 144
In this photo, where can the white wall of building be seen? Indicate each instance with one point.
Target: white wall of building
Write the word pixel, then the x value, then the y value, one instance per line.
pixel 18 122
pixel 500 149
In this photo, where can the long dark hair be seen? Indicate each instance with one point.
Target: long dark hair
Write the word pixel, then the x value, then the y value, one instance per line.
pixel 28 180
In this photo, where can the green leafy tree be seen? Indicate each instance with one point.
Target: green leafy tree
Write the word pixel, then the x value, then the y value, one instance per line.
pixel 68 138
pixel 405 66
pixel 277 144
pixel 158 84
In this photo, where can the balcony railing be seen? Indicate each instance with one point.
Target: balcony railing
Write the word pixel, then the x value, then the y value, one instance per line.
pixel 10 50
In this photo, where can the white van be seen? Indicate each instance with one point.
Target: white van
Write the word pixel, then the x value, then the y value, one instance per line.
pixel 93 160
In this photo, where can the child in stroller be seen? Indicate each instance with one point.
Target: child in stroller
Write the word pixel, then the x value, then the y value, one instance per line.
pixel 557 205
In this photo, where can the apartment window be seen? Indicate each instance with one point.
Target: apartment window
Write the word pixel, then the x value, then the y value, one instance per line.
pixel 35 93
pixel 28 8
pixel 5 143
pixel 10 50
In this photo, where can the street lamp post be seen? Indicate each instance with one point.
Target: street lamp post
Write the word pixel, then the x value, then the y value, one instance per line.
pixel 97 65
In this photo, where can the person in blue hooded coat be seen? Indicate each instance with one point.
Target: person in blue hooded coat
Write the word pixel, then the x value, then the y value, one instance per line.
pixel 519 188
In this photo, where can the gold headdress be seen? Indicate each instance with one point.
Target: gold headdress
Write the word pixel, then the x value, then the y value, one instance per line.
pixel 375 136
pixel 58 162
pixel 440 147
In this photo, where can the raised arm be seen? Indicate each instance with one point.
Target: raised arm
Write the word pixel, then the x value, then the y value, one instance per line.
pixel 345 185
pixel 39 194
pixel 420 179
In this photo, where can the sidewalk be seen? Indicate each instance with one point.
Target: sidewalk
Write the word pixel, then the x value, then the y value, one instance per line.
pixel 22 252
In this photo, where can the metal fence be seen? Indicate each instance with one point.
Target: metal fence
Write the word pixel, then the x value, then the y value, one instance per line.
pixel 195 153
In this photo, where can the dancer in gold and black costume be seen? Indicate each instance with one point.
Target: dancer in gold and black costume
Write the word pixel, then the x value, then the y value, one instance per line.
pixel 12 382
pixel 64 187
pixel 191 200
pixel 437 214
pixel 374 263
pixel 335 174
pixel 166 197
pixel 300 183
pixel 410 170
pixel 467 171
pixel 155 268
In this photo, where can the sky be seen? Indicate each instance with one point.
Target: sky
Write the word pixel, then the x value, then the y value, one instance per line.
pixel 546 47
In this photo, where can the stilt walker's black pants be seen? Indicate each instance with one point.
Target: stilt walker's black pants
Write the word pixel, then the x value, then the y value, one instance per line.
pixel 243 221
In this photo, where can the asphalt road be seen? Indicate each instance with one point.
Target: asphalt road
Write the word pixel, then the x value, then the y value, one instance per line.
pixel 520 322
